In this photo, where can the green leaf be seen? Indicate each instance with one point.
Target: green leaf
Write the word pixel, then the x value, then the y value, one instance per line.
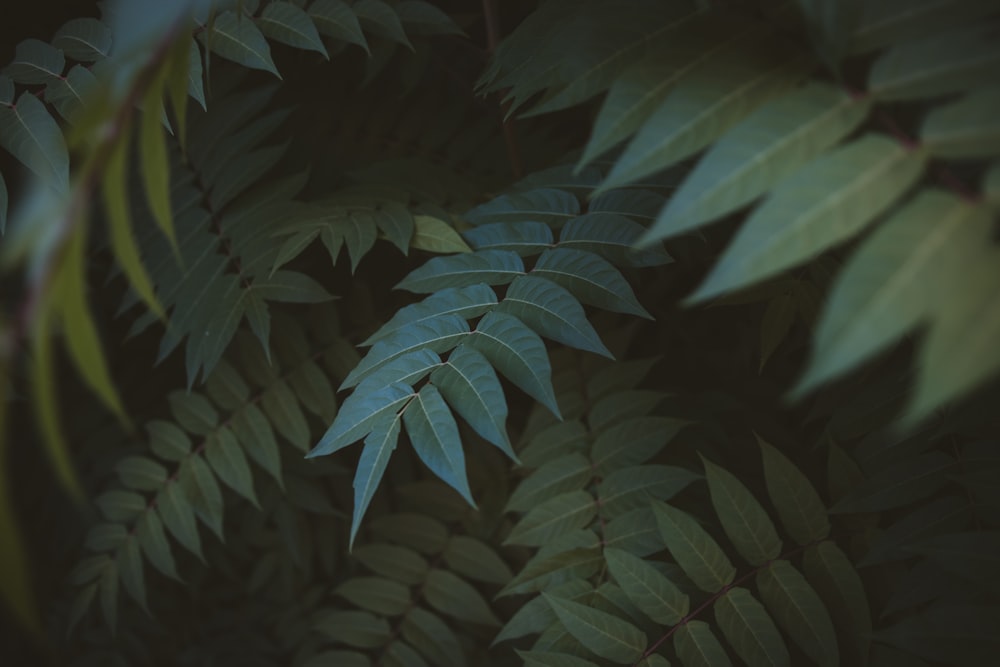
pixel 466 302
pixel 381 19
pixel 613 237
pixel 457 598
pixel 193 412
pixel 590 278
pixel 550 206
pixel 604 634
pixel 434 435
pixel 535 615
pixel 632 442
pixel 649 590
pixel 255 434
pixel 622 405
pixel 71 94
pixel 178 516
pixel 398 654
pixel 434 235
pixel 824 203
pixel 518 353
pixel 130 571
pixel 437 335
pixel 553 312
pixel 640 89
pixel 573 555
pixel 377 594
pixel 493 267
pixel 831 24
pixel 802 511
pixel 833 576
pixel 203 493
pixel 694 549
pixel 696 646
pixel 799 610
pixel 469 383
pixel 44 396
pixel 965 129
pixel 6 90
pixel 423 18
pixel 235 37
pixel 397 223
pixel 141 474
pixel 750 630
pixel 895 21
pixel 360 629
pixel 720 92
pixel 423 533
pixel 552 518
pixel 635 532
pixel 35 62
pixel 359 415
pixel 554 441
pixel 566 473
pixel 106 536
pixel 874 299
pixel 84 39
pixel 627 37
pixel 626 489
pixel 289 24
pixel 30 134
pixel 196 83
pixel 634 203
pixel 226 458
pixel 153 540
pixel 379 446
pixel 619 377
pixel 81 338
pixel 476 560
pixel 359 232
pixel 407 369
pixel 937 516
pixel 155 163
pixel 400 563
pixel 744 520
pixel 433 638
pixel 768 146
pixel 335 19
pixel 526 237
pixel 114 187
pixel 958 354
pixel 898 485
pixel 941 63
pixel 290 287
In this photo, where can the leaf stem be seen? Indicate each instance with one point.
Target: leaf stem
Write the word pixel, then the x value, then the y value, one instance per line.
pixel 715 596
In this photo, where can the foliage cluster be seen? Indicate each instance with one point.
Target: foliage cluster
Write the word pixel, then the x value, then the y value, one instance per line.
pixel 654 331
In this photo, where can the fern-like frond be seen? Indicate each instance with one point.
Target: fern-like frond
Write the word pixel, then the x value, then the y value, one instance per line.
pixel 778 128
pixel 433 340
pixel 207 443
